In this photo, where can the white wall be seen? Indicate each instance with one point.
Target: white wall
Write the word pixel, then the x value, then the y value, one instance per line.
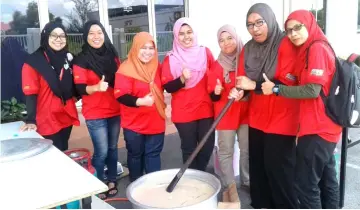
pixel 356 49
pixel 341 23
pixel 306 4
pixel 277 6
pixel 341 26
pixel 209 16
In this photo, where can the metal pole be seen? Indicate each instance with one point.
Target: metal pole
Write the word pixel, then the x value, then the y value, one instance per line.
pixel 343 161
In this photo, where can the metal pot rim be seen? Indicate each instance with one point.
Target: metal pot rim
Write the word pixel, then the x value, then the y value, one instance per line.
pixel 211 176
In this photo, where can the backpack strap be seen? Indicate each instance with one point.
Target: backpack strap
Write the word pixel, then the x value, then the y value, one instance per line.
pixel 308 50
pixel 353 57
pixel 337 65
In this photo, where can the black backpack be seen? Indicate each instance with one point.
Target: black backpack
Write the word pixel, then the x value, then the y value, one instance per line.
pixel 343 102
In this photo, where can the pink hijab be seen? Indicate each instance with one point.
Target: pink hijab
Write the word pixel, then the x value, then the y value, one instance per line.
pixel 193 58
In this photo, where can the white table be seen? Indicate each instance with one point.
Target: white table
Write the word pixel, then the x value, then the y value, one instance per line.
pixel 43 181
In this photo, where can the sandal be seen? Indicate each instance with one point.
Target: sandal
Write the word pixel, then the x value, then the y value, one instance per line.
pixel 103 195
pixel 112 189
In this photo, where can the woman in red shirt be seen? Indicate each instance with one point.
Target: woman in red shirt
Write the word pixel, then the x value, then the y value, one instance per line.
pixel 316 182
pixel 273 120
pixel 234 122
pixel 47 83
pixel 184 73
pixel 94 76
pixel 138 88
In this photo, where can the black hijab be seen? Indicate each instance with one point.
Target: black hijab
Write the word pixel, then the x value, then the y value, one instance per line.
pixel 49 63
pixel 101 61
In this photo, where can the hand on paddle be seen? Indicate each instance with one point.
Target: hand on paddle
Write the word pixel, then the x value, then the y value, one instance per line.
pixel 245 83
pixel 237 95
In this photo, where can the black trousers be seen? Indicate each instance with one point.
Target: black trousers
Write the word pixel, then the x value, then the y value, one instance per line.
pixel 191 134
pixel 272 160
pixel 61 138
pixel 316 183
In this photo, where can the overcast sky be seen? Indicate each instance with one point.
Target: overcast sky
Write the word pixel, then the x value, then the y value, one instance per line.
pixel 61 7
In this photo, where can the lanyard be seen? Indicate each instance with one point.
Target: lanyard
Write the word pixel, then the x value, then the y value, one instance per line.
pixel 62 69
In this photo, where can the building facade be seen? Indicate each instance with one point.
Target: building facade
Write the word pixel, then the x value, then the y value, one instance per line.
pixel 340 19
pixel 21 21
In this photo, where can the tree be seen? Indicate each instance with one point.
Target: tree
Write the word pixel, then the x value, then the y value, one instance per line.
pixel 21 22
pixel 32 14
pixel 79 15
pixel 55 19
pixel 18 25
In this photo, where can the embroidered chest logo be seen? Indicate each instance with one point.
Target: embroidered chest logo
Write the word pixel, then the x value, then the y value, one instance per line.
pixel 317 72
pixel 290 77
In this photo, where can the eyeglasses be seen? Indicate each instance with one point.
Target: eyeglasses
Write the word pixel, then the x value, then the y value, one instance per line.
pixel 258 23
pixel 55 36
pixel 296 27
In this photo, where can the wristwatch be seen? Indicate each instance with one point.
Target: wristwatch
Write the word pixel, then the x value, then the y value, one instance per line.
pixel 276 89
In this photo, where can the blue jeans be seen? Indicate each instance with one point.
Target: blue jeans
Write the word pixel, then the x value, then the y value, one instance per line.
pixel 143 152
pixel 104 134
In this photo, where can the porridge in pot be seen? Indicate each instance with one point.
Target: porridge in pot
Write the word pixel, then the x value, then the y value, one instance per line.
pixel 188 191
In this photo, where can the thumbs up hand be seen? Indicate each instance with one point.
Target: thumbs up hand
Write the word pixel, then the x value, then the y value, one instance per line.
pixel 267 86
pixel 147 100
pixel 102 85
pixel 218 88
pixel 186 73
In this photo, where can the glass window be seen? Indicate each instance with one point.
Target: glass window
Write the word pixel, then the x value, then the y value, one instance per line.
pixel 126 19
pixel 166 14
pixel 73 14
pixel 319 11
pixel 19 37
pixel 359 16
pixel 17 20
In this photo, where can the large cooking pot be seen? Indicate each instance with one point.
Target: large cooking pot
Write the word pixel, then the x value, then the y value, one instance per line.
pixel 165 176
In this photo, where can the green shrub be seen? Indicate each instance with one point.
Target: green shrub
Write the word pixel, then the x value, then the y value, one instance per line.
pixel 12 110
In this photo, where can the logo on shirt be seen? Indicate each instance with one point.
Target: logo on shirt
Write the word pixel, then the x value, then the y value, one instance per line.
pixel 317 72
pixel 27 87
pixel 77 77
pixel 290 77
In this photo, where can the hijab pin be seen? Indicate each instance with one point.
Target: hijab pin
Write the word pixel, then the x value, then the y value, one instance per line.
pixel 69 56
pixel 66 65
